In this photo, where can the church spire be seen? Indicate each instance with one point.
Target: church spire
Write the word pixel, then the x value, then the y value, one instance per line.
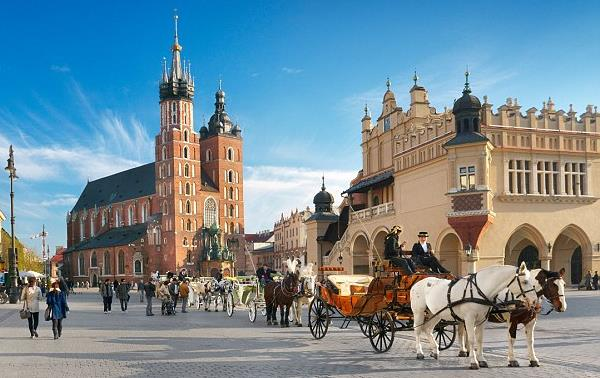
pixel 176 49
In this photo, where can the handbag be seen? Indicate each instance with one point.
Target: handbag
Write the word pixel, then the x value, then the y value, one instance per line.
pixel 24 313
pixel 48 313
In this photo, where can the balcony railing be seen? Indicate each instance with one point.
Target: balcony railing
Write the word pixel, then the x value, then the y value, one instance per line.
pixel 373 212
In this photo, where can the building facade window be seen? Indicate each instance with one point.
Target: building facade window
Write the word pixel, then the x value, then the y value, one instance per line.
pixel 547 178
pixel 188 207
pixel 144 213
pixel 208 155
pixel 130 215
pixel 92 225
pixel 164 153
pixel 93 260
pixel 575 179
pixel 103 218
pixel 81 270
pixel 230 154
pixel 186 170
pixel 81 229
pixel 106 263
pixel 467 177
pixel 185 152
pixel 188 189
pixel 121 263
pixel 230 176
pixel 137 268
pixel 185 135
pixel 519 176
pixel 210 212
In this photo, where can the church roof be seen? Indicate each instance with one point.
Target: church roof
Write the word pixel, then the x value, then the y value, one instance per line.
pixel 132 183
pixel 112 238
pixel 380 179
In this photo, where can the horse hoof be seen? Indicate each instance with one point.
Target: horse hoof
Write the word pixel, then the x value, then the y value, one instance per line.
pixel 434 355
pixel 534 364
pixel 463 354
pixel 513 363
pixel 483 364
pixel 474 366
pixel 420 356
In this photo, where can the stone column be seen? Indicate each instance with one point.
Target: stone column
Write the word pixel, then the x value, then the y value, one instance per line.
pixel 534 173
pixel 506 179
pixel 561 178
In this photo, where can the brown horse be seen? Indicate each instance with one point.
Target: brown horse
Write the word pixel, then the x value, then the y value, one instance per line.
pixel 281 294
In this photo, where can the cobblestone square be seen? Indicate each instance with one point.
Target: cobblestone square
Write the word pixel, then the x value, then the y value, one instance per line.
pixel 211 344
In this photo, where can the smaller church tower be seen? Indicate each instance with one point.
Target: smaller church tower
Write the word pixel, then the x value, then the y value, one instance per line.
pixel 222 161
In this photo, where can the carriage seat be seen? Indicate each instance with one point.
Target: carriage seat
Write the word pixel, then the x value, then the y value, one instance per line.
pixel 344 282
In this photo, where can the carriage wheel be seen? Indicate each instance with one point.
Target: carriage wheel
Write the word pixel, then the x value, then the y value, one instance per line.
pixel 445 334
pixel 229 302
pixel 318 318
pixel 292 316
pixel 252 311
pixel 3 298
pixel 363 323
pixel 381 331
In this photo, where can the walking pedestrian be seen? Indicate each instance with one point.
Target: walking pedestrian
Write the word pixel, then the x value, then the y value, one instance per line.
pixel 106 291
pixel 57 301
pixel 595 280
pixel 31 297
pixel 123 294
pixel 184 291
pixel 150 291
pixel 140 289
pixel 174 291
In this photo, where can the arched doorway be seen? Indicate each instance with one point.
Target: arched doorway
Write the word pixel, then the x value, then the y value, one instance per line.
pixel 531 257
pixel 378 249
pixel 94 280
pixel 572 250
pixel 576 266
pixel 360 255
pixel 449 253
pixel 525 242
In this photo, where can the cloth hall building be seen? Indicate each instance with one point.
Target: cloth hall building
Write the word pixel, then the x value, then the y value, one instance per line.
pixel 184 210
pixel 490 186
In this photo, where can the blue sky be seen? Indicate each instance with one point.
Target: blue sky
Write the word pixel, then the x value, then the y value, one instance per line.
pixel 79 83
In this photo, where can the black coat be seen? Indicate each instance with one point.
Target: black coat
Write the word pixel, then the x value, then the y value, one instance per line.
pixel 417 250
pixel 391 247
pixel 263 274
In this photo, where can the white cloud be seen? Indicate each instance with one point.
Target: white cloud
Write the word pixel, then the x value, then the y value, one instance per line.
pixel 62 69
pixel 292 71
pixel 60 200
pixel 270 191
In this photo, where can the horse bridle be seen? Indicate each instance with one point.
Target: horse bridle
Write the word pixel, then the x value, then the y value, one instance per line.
pixel 523 293
pixel 285 291
pixel 545 289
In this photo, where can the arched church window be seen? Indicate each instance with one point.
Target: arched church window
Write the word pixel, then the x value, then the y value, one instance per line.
pixel 106 263
pixel 81 270
pixel 185 152
pixel 476 124
pixel 188 207
pixel 94 260
pixel 210 212
pixel 231 193
pixel 164 153
pixel 230 154
pixel 230 176
pixel 208 155
pixel 231 211
pixel 189 225
pixel 121 262
pixel 466 125
pixel 188 189
pixel 185 135
pixel 186 170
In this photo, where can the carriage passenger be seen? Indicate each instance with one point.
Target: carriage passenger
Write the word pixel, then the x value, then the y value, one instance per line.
pixel 422 253
pixel 264 274
pixel 394 252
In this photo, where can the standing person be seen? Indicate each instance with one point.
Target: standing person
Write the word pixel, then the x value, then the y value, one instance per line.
pixel 422 254
pixel 588 280
pixel 184 291
pixel 31 296
pixel 123 294
pixel 57 301
pixel 106 291
pixel 174 291
pixel 150 291
pixel 163 295
pixel 140 288
pixel 595 280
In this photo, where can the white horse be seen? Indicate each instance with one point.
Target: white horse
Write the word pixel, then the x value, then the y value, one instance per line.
pixel 308 281
pixel 548 284
pixel 468 299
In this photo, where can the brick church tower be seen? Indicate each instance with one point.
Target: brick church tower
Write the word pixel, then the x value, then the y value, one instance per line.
pixel 177 165
pixel 222 157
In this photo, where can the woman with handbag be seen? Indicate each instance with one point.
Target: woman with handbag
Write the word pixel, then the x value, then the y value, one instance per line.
pixel 57 303
pixel 31 297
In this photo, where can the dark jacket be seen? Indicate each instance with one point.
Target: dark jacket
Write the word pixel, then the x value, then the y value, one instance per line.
pixel 57 301
pixel 106 290
pixel 150 289
pixel 392 249
pixel 174 288
pixel 417 250
pixel 123 291
pixel 265 275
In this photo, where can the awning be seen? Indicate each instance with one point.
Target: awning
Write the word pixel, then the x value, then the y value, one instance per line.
pixel 381 179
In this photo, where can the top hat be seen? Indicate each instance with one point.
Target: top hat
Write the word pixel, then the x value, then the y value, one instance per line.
pixel 423 234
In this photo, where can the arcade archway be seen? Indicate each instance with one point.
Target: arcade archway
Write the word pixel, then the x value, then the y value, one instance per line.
pixel 360 255
pixel 449 253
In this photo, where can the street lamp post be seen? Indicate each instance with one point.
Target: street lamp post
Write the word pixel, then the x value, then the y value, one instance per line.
pixel 12 256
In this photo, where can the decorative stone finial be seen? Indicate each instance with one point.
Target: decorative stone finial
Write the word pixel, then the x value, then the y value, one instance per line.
pixel 415 77
pixel 323 181
pixel 366 110
pixel 467 88
pixel 388 83
pixel 570 108
pixel 485 99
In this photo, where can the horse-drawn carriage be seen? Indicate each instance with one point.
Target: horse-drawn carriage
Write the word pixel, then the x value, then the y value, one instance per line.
pixel 380 305
pixel 241 291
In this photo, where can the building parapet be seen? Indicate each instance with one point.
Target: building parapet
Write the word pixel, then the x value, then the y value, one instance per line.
pixel 384 209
